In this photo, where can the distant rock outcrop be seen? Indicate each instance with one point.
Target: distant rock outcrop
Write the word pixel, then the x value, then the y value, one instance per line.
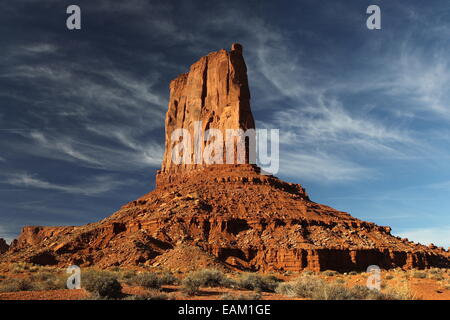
pixel 229 215
pixel 3 246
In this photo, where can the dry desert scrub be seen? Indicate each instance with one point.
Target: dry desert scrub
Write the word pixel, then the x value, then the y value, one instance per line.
pixel 101 284
pixel 229 296
pixel 205 278
pixel 151 281
pixel 191 286
pixel 150 295
pixel 432 273
pixel 14 285
pixel 257 282
pixel 419 275
pixel 39 281
pixel 308 272
pixel 167 278
pixel 145 279
pixel 329 273
pixel 315 288
pixel 47 280
pixel 148 280
pixel 192 283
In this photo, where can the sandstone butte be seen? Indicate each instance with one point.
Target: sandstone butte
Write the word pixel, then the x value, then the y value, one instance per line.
pixel 229 216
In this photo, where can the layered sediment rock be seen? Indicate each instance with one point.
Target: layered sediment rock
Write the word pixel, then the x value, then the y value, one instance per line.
pixel 226 214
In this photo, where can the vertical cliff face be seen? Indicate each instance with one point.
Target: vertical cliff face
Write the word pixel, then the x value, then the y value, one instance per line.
pixel 214 94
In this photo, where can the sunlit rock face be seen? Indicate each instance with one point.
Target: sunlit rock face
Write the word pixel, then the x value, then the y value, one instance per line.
pixel 214 94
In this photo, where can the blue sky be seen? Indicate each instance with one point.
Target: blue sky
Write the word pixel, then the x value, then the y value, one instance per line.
pixel 363 115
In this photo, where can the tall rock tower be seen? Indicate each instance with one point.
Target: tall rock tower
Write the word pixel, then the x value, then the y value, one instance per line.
pixel 214 94
pixel 203 215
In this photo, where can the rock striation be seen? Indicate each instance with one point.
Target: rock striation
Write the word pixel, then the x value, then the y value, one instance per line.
pixel 226 215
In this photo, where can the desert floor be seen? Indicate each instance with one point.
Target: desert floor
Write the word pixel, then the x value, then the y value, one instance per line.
pixel 28 282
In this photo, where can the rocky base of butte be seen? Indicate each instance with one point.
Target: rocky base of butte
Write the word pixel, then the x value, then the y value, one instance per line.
pixel 226 216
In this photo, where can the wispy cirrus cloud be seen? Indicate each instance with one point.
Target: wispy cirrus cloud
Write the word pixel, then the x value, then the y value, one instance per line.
pixel 328 124
pixel 105 121
pixel 94 186
pixel 320 166
pixel 39 48
pixel 425 83
pixel 439 236
pixel 128 156
pixel 64 147
pixel 315 121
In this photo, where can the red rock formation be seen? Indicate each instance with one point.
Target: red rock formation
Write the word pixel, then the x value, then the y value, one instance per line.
pixel 231 213
pixel 215 92
pixel 3 246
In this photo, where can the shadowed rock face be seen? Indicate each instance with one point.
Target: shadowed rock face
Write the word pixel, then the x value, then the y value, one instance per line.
pixel 226 215
pixel 3 246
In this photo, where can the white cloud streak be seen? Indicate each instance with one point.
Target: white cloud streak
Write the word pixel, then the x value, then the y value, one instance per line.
pixel 99 184
pixel 130 156
pixel 439 236
pixel 319 166
pixel 113 111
